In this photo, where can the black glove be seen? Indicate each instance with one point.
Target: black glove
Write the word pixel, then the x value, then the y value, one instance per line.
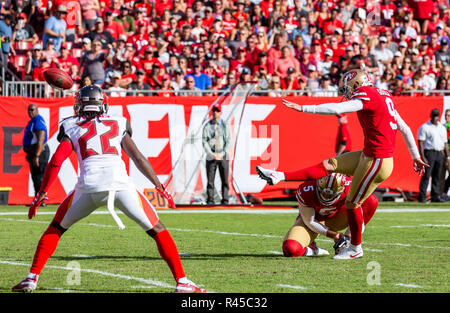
pixel 341 244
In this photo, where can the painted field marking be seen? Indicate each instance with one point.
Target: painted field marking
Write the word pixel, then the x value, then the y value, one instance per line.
pixel 147 281
pixel 408 285
pixel 291 286
pixel 420 225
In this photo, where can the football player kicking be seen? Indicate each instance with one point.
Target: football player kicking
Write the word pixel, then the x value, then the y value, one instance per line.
pixel 322 212
pixel 98 139
pixel 369 167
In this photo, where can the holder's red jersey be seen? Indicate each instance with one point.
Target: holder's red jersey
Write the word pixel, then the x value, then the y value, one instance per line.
pixel 307 195
pixel 378 121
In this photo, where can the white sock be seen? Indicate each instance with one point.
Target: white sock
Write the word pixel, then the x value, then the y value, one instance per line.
pixel 183 280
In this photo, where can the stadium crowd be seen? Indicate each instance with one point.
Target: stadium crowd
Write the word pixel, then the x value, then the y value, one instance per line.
pixel 178 47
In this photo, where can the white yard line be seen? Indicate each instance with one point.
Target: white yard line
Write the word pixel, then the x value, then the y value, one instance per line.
pixel 291 287
pixel 147 281
pixel 408 285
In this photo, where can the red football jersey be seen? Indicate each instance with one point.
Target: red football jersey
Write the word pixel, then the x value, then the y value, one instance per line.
pixel 307 196
pixel 378 121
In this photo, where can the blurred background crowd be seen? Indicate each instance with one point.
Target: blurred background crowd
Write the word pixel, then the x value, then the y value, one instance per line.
pixel 179 47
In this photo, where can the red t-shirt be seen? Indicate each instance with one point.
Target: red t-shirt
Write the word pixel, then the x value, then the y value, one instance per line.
pixel 377 119
pixel 65 64
pixel 422 8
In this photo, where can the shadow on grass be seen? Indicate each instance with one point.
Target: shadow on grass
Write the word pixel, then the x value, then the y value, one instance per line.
pixel 193 256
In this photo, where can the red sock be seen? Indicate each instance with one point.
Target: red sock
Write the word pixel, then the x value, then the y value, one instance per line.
pixel 313 172
pixel 45 249
pixel 355 223
pixel 169 252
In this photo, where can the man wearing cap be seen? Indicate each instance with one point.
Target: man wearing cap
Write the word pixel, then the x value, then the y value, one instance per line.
pixel 23 31
pixel 33 58
pixel 113 27
pixel 432 138
pixel 325 88
pixel 381 52
pixel 99 33
pixel 126 20
pixel 140 84
pixel 442 56
pixel 66 60
pixel 216 139
pixel 55 28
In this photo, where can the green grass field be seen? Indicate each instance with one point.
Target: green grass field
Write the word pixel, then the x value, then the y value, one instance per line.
pixel 231 253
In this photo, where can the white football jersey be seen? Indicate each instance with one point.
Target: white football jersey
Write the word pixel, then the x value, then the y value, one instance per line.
pixel 97 143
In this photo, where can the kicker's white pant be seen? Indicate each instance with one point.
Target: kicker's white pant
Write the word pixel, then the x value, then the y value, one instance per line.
pixel 79 204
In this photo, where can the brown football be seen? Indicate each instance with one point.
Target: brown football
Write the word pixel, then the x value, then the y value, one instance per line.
pixel 58 78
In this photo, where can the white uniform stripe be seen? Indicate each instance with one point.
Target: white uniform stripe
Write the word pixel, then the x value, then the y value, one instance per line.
pixel 368 179
pixel 331 180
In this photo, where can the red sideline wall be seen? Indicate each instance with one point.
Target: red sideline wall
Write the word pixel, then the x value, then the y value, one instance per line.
pixel 295 140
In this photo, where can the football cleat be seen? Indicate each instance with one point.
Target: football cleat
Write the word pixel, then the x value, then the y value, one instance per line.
pixel 188 286
pixel 29 284
pixel 272 177
pixel 314 250
pixel 349 253
pixel 341 244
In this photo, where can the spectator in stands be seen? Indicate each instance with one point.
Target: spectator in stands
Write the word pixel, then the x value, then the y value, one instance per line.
pixel 115 90
pixel 33 58
pixel 385 81
pixel 5 38
pixel 111 26
pixel 275 87
pixel 305 61
pixel 381 53
pixel 202 81
pixel 126 20
pixel 290 82
pixel 89 9
pixel 398 87
pixel 189 89
pixel 284 62
pixel 92 63
pixel 49 52
pixel 100 34
pixel 66 60
pixel 442 56
pixel 154 78
pixel 426 81
pixel 127 74
pixel 313 78
pixel 230 80
pixel 23 31
pixel 368 60
pixel 325 88
pixel 140 85
pixel 324 66
pixel 166 89
pixel 178 81
pixel 55 28
pixel 38 71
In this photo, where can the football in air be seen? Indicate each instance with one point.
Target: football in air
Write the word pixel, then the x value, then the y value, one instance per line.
pixel 58 78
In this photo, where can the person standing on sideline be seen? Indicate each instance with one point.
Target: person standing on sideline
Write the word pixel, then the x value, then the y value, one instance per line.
pixel 432 138
pixel 35 146
pixel 216 141
pixel 343 140
pixel 447 181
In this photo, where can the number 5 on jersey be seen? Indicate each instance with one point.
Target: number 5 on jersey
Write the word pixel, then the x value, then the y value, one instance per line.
pixel 92 134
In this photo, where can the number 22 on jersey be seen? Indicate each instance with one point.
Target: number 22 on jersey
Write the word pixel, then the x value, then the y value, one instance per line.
pixel 104 139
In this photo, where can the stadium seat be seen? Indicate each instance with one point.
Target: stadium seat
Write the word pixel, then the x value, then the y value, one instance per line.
pixel 76 52
pixel 20 61
pixel 23 45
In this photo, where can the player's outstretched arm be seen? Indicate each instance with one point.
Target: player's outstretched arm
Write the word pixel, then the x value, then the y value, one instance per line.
pixel 308 216
pixel 51 173
pixel 144 166
pixel 327 108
